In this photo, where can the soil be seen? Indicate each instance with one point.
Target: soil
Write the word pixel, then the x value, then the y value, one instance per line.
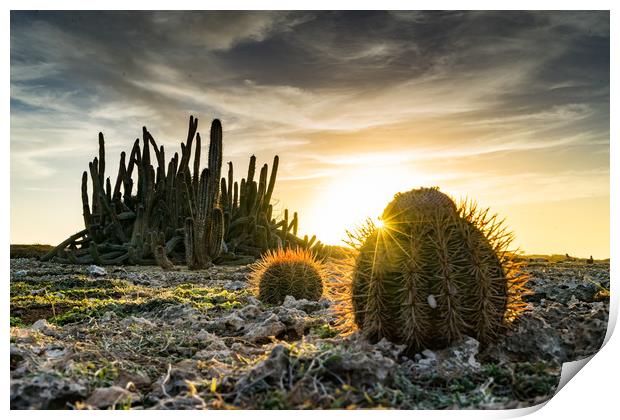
pixel 143 338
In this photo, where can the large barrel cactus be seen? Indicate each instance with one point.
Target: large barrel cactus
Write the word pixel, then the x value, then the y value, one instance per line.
pixel 434 272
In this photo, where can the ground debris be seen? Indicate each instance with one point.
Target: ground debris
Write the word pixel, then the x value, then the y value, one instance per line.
pixel 144 338
pixel 110 397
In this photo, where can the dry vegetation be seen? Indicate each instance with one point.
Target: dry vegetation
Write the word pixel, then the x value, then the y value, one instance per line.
pixel 141 337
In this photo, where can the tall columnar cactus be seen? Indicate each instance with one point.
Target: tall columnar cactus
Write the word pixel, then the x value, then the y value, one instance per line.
pixel 178 212
pixel 205 241
pixel 433 273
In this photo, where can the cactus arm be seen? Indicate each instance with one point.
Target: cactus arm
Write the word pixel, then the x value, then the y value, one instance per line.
pixel 230 186
pixel 64 244
pixel 101 159
pixel 235 204
pixel 85 206
pixel 251 170
pixel 120 176
pixel 186 149
pixel 216 235
pixel 272 182
pixel 197 160
pixel 189 242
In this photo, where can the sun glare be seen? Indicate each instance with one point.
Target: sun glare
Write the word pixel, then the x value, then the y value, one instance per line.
pixel 353 197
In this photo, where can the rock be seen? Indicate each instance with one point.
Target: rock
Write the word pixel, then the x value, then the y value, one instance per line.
pixel 177 382
pixel 110 397
pixel 360 365
pixel 586 292
pixel 18 357
pixel 235 321
pixel 132 320
pixel 45 391
pixel 231 322
pixel 181 314
pixel 268 371
pixel 233 345
pixel 534 297
pixel 44 327
pixel 249 312
pixel 133 380
pixel 210 340
pixel 295 320
pixel 270 327
pixel 190 402
pixel 387 348
pixel 217 354
pixel 241 274
pixel 533 339
pixel 453 361
pixel 562 282
pixel 39 325
pixel 253 301
pixel 38 291
pixel 289 302
pixel 54 352
pixel 95 270
pixel 458 358
pixel 305 305
pixel 429 354
pixel 582 329
pixel 108 316
pixel 235 285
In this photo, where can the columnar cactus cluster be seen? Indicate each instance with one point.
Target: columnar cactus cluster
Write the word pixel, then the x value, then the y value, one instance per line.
pixel 178 213
pixel 433 273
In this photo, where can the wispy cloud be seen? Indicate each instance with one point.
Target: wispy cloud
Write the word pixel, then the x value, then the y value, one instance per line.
pixel 330 92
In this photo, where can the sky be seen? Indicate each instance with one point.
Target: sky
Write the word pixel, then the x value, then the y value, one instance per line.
pixel 508 108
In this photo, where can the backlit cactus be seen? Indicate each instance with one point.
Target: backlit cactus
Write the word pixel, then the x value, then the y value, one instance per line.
pixel 288 272
pixel 433 273
pixel 178 212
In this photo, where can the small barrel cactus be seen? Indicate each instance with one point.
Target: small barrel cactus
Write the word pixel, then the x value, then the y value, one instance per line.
pixel 433 273
pixel 282 272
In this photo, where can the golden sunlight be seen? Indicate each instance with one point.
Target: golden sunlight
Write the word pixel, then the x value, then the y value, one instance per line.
pixel 349 199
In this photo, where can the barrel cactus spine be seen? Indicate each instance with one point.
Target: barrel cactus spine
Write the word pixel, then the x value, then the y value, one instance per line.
pixel 288 272
pixel 433 273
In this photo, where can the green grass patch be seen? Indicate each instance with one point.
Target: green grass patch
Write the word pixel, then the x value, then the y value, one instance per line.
pixel 325 331
pixel 16 322
pixel 77 298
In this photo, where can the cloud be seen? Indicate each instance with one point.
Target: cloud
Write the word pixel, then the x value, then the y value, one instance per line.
pixel 221 30
pixel 535 187
pixel 328 91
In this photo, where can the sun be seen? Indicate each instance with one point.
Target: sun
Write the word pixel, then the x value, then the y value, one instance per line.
pixel 379 223
pixel 347 200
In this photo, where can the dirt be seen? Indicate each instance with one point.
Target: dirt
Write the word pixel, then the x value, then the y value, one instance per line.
pixel 143 338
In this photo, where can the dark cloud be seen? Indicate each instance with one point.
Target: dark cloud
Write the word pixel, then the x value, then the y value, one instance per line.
pixel 345 50
pixel 326 90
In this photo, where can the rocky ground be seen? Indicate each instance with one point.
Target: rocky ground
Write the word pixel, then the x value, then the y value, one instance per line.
pixel 139 337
